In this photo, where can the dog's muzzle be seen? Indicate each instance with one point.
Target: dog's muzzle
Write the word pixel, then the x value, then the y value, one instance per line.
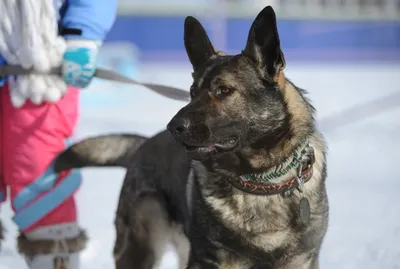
pixel 187 132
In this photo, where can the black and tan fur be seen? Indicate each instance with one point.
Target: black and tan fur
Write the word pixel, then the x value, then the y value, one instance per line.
pixel 245 116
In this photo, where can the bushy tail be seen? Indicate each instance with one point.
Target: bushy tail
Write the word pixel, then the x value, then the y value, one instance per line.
pixel 106 150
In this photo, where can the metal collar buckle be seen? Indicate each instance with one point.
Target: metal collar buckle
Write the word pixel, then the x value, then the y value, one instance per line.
pixel 299 177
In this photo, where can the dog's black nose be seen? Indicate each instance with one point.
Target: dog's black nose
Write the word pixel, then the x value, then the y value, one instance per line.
pixel 178 125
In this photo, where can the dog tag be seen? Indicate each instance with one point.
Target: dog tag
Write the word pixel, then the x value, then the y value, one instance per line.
pixel 304 211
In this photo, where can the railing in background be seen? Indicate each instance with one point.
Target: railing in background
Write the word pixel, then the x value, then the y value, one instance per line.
pixel 304 9
pixel 342 9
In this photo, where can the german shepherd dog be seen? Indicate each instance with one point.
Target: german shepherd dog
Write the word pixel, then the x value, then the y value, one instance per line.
pixel 238 178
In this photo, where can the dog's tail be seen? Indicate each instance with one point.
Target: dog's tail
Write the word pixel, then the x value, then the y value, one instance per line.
pixel 106 150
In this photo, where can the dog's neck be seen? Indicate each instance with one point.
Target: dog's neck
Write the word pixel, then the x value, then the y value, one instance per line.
pixel 291 173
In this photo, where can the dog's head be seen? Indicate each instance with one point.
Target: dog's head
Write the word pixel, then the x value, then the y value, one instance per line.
pixel 237 101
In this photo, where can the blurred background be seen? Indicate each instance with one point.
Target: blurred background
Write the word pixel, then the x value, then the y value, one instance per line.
pixel 345 53
pixel 311 30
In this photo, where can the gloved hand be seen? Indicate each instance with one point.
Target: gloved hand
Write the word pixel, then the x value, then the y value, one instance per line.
pixel 79 63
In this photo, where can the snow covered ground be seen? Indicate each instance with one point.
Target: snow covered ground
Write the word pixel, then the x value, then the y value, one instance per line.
pixel 363 179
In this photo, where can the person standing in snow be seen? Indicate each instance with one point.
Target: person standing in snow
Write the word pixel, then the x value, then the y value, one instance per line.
pixel 38 115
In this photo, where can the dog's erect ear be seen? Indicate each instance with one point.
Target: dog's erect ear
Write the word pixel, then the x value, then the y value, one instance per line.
pixel 198 45
pixel 263 44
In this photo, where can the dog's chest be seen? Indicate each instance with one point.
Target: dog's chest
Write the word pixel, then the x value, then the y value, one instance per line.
pixel 260 221
pixel 265 227
pixel 259 260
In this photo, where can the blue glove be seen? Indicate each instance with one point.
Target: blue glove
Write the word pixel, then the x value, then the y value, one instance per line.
pixel 79 62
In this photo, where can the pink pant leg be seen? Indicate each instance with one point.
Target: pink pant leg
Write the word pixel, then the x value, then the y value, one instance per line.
pixel 33 135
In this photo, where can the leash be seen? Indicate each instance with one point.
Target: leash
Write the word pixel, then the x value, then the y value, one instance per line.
pixel 167 91
pixel 327 124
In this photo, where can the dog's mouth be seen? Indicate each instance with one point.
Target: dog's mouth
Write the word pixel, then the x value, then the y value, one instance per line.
pixel 220 146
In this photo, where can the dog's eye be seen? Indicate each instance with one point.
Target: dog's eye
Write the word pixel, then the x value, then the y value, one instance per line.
pixel 223 91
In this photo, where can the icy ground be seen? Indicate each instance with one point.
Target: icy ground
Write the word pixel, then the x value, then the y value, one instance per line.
pixel 363 160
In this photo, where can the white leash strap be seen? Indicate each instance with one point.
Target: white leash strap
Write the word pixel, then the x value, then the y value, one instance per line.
pixel 167 91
